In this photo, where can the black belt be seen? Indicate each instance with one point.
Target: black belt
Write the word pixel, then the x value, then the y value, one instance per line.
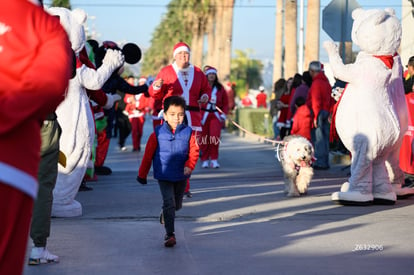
pixel 209 110
pixel 192 108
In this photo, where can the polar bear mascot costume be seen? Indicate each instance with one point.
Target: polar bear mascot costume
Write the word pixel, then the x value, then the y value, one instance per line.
pixel 75 116
pixel 371 116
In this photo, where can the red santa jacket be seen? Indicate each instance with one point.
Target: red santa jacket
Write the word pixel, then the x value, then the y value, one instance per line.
pixel 261 100
pixel 136 105
pixel 319 96
pixel 35 67
pixel 218 98
pixel 302 122
pixel 191 89
pixel 282 120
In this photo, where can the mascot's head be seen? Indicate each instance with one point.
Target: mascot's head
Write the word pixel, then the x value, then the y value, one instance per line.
pixel 376 32
pixel 131 51
pixel 72 22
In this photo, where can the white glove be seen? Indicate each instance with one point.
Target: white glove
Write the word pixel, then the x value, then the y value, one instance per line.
pixel 116 97
pixel 336 93
pixel 223 116
pixel 330 47
pixel 111 100
pixel 113 58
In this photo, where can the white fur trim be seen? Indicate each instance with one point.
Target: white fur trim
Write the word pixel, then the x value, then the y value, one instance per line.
pixel 18 179
pixel 181 49
pixel 211 71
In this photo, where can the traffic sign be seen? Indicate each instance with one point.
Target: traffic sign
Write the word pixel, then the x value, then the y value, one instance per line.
pixel 337 19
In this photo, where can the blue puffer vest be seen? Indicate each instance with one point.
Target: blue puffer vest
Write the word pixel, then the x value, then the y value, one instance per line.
pixel 171 153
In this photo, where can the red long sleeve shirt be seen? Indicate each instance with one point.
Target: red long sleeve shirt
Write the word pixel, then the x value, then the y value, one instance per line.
pixel 151 147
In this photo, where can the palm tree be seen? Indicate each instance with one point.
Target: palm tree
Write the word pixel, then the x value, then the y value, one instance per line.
pixel 226 38
pixel 277 59
pixel 195 15
pixel 245 72
pixel 211 34
pixel 312 32
pixel 291 60
pixel 219 36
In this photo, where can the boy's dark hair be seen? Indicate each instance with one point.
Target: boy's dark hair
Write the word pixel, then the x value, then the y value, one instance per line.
pixel 300 101
pixel 174 100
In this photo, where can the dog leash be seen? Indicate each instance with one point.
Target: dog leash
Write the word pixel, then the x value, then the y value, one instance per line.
pixel 250 133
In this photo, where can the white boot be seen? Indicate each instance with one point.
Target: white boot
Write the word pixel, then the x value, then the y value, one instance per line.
pixel 40 255
pixel 214 163
pixel 205 164
pixel 347 197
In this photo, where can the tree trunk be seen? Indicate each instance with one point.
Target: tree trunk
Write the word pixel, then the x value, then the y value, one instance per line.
pixel 312 32
pixel 277 59
pixel 219 37
pixel 197 44
pixel 291 59
pixel 227 36
pixel 211 35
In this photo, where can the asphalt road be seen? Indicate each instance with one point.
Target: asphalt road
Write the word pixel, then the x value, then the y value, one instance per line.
pixel 238 222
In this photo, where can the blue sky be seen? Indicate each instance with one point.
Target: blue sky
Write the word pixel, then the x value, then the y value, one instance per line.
pixel 253 25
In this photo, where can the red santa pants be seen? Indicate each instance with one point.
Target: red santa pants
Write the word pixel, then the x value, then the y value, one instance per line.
pixel 210 138
pixel 137 126
pixel 15 214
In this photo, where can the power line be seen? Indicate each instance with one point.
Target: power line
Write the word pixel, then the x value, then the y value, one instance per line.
pixel 136 5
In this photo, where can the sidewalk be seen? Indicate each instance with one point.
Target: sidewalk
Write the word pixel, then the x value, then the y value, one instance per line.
pixel 238 222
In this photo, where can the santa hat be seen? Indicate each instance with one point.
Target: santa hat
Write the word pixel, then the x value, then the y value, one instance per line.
pixel 142 80
pixel 181 47
pixel 210 70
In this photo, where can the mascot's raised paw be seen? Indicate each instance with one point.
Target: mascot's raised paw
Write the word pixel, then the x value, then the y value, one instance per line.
pixel 113 58
pixel 330 47
pixel 111 99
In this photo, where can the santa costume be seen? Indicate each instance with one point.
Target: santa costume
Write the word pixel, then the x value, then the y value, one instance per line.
pixel 34 84
pixel 212 121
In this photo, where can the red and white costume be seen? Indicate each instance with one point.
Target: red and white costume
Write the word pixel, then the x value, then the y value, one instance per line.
pixel 212 121
pixel 35 67
pixel 136 106
pixel 190 83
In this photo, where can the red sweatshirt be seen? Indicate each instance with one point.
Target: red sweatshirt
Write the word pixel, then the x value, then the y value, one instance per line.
pixel 302 122
pixel 35 68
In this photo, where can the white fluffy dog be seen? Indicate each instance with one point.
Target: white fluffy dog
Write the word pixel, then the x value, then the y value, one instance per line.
pixel 296 156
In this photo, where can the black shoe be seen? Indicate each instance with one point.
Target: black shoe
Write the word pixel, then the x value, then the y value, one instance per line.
pixel 103 170
pixel 408 182
pixel 84 187
pixel 169 240
pixel 188 194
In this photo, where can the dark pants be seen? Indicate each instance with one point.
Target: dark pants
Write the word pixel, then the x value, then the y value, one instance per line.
pixel 48 170
pixel 124 128
pixel 172 197
pixel 320 138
